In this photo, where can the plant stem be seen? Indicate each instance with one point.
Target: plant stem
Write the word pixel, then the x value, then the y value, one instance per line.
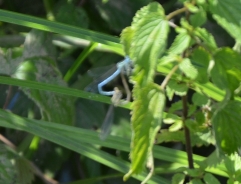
pixel 187 133
pixel 173 14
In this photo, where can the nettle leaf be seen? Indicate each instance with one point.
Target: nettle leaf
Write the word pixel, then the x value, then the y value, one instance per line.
pixel 37 66
pixel 54 107
pixel 149 37
pixel 177 87
pixel 226 123
pixel 188 69
pixel 226 73
pixel 206 37
pixel 199 18
pixel 199 99
pixel 227 14
pixel 8 63
pixel 180 43
pixel 7 169
pixel 24 171
pixel 38 43
pixel 201 58
pixel 210 179
pixel 146 121
pixel 149 42
pixel 178 178
pixel 233 165
pixel 126 37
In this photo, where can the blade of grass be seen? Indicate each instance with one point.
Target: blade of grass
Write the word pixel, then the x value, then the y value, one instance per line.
pixel 79 137
pixel 33 126
pixel 59 89
pixel 56 27
pixel 79 61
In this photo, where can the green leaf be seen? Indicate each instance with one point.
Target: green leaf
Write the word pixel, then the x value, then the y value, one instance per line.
pixel 199 18
pixel 7 169
pixel 188 69
pixel 178 178
pixel 178 88
pixel 233 165
pixel 180 43
pixel 176 126
pixel 24 171
pixel 206 37
pixel 149 41
pixel 77 17
pixel 227 127
pixel 126 37
pixel 54 107
pixel 146 121
pixel 227 14
pixel 196 181
pixel 227 69
pixel 39 43
pixel 201 57
pixel 199 99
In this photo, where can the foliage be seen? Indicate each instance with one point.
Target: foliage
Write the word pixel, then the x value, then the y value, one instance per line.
pixel 186 91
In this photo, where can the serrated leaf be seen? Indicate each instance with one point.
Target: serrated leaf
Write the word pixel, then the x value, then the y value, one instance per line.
pixel 199 99
pixel 210 179
pixel 227 14
pixel 196 181
pixel 167 59
pixel 176 126
pixel 178 178
pixel 227 127
pixel 178 88
pixel 201 57
pixel 36 65
pixel 54 107
pixel 192 8
pixel 206 37
pixel 211 161
pixel 233 165
pixel 199 18
pixel 227 69
pixel 77 17
pixel 7 169
pixel 180 43
pixel 146 121
pixel 126 37
pixel 166 136
pixel 24 171
pixel 38 43
pixel 149 40
pixel 188 69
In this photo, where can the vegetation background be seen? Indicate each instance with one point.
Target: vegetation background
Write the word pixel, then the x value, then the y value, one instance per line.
pixel 37 150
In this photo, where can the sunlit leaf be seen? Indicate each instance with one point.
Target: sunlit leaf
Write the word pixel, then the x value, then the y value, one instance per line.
pixel 210 179
pixel 146 120
pixel 180 43
pixel 227 14
pixel 188 69
pixel 149 41
pixel 178 178
pixel 206 37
